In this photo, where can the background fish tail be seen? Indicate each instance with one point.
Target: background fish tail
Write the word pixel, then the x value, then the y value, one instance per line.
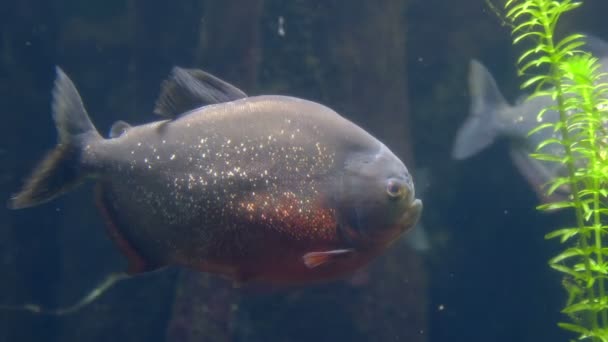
pixel 482 126
pixel 61 169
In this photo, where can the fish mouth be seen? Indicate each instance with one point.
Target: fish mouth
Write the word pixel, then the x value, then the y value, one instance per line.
pixel 405 223
pixel 411 216
pixel 412 206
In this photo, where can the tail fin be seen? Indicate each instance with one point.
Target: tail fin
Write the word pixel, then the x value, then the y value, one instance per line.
pixel 61 169
pixel 481 127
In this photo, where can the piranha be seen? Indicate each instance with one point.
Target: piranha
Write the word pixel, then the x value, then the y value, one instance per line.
pixel 264 188
pixel 492 117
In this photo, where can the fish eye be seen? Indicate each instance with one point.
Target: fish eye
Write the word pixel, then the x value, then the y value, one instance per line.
pixel 395 188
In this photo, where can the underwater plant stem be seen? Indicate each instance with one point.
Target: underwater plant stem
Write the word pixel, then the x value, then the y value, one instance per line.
pixel 589 108
pixel 598 245
pixel 579 100
pixel 580 220
pixel 597 223
pixel 556 75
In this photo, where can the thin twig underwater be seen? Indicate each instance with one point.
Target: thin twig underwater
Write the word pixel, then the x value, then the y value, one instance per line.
pixel 111 280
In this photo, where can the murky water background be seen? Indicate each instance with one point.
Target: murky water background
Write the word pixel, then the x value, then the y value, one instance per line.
pixel 398 68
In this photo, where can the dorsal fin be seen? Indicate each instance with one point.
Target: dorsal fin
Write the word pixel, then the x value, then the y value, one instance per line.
pixel 119 128
pixel 187 89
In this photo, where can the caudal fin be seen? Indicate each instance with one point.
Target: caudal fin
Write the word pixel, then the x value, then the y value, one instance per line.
pixel 61 169
pixel 482 126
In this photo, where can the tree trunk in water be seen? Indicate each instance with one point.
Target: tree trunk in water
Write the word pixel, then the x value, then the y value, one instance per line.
pixel 204 307
pixel 352 59
pixel 367 52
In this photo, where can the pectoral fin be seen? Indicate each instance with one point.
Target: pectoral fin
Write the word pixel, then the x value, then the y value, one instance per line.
pixel 315 259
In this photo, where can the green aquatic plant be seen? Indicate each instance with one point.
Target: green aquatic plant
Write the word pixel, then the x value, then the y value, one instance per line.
pixel 573 79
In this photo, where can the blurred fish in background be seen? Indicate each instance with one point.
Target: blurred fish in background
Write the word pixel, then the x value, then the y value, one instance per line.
pixel 492 117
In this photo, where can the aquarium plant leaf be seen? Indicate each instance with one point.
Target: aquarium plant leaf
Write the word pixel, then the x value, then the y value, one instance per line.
pixel 564 234
pixel 573 328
